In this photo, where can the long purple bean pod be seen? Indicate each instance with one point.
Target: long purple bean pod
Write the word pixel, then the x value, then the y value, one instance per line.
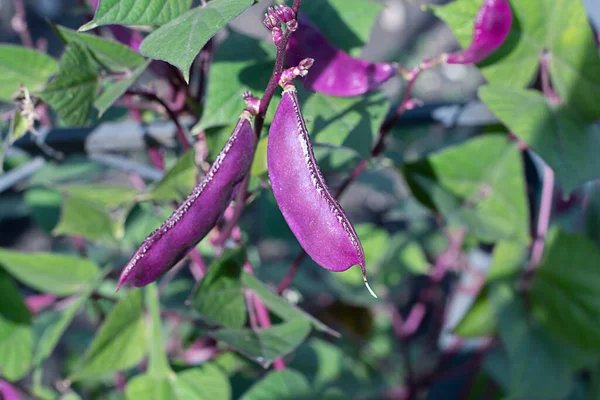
pixel 202 209
pixel 490 30
pixel 334 72
pixel 312 213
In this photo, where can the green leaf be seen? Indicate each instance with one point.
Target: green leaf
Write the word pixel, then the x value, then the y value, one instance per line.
pixel 71 169
pixel 72 92
pixel 480 320
pixel 567 144
pixel 565 294
pixel 204 383
pixel 179 41
pixel 87 219
pixel 240 64
pixel 479 184
pixel 22 66
pixel 259 163
pixel 538 369
pixel 120 342
pixel 266 345
pixel 574 57
pixel 346 23
pixel 116 89
pixel 282 385
pixel 111 55
pixel 348 122
pixel 52 332
pixel 280 306
pixel 62 275
pixel 507 259
pixel 16 336
pixel 179 181
pixel 219 297
pixel 136 12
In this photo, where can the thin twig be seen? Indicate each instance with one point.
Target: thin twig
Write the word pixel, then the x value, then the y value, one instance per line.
pixel 185 144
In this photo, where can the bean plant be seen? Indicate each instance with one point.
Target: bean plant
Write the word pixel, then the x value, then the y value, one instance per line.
pixel 221 252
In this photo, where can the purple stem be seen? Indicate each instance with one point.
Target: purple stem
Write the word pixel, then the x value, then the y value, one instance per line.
pixel 19 24
pixel 547 88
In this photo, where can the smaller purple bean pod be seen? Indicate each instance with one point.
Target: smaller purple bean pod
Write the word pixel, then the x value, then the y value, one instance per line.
pixel 312 213
pixel 202 209
pixel 491 27
pixel 335 72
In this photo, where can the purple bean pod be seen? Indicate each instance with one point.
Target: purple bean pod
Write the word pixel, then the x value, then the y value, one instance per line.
pixel 202 209
pixel 490 30
pixel 7 392
pixel 312 213
pixel 334 72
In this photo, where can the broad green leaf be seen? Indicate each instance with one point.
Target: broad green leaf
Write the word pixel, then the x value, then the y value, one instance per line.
pixel 136 12
pixel 574 58
pixel 116 89
pixel 71 93
pixel 282 385
pixel 58 274
pixel 479 184
pixel 567 144
pixel 111 55
pixel 16 336
pixel 404 256
pixel 141 221
pixel 266 345
pixel 109 196
pixel 158 363
pixel 22 66
pixel 240 64
pixel 179 181
pixel 120 342
pixel 280 306
pixel 538 368
pixel 480 320
pixel 179 41
pixel 52 332
pixel 346 23
pixel 507 259
pixel 348 122
pixel 565 294
pixel 219 298
pixel 82 217
pixel 207 382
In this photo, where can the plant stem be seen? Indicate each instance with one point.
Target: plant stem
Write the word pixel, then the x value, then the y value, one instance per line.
pixel 240 203
pixel 274 81
pixel 19 24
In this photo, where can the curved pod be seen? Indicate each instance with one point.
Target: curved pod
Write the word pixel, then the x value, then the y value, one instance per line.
pixel 199 213
pixel 490 30
pixel 313 215
pixel 334 72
